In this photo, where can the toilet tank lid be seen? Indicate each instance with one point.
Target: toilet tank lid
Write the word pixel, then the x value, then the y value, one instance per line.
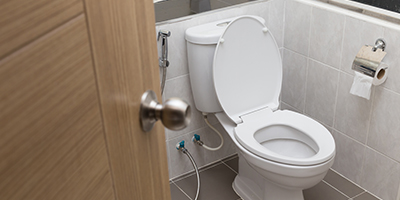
pixel 211 32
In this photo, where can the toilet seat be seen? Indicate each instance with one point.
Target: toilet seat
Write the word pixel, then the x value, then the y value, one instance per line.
pixel 315 135
pixel 247 67
pixel 247 75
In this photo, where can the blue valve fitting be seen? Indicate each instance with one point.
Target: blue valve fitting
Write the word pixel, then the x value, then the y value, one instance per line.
pixel 180 145
pixel 196 137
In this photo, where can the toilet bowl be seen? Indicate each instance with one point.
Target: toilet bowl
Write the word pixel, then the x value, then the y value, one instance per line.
pixel 236 72
pixel 264 179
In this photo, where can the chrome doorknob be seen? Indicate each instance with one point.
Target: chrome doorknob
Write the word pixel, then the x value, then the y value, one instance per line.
pixel 174 114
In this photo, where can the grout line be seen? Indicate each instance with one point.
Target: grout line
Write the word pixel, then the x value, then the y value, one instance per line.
pixel 349 137
pixel 191 132
pixel 291 107
pixel 347 179
pixel 214 164
pixel 287 48
pixel 378 198
pixel 358 195
pixel 336 99
pixel 219 162
pixel 389 90
pixel 230 167
pixel 370 115
pixel 343 36
pixel 202 168
pixel 183 176
pixel 295 52
pixel 176 77
pixel 322 63
pixel 365 191
pixel 284 24
pixel 301 110
pixel 192 172
pixel 231 157
pixel 309 30
pixel 382 154
pixel 181 190
pixel 338 79
pixel 336 189
pixel 305 87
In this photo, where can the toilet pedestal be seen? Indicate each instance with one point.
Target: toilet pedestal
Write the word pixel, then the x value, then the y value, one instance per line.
pixel 248 183
pixel 274 192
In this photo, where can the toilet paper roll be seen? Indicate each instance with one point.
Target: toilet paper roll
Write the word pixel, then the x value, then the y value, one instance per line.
pixel 362 83
pixel 381 74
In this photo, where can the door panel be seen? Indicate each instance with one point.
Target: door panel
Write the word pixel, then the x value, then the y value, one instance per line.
pixel 69 101
pixel 22 21
pixel 52 142
pixel 123 41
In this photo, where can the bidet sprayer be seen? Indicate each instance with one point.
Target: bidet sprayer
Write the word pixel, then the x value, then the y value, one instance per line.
pixel 163 60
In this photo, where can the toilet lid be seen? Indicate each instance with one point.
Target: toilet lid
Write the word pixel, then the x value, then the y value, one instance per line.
pixel 247 68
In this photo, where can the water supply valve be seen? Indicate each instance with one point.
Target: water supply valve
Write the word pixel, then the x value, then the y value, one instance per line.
pixel 196 139
pixel 180 145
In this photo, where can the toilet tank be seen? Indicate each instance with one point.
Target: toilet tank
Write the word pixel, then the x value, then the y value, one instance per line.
pixel 201 42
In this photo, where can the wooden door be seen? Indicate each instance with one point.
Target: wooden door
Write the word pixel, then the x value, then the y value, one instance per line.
pixel 71 76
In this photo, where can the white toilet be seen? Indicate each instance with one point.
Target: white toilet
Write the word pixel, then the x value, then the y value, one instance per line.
pixel 236 72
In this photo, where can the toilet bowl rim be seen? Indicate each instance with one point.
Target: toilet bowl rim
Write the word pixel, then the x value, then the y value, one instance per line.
pixel 244 134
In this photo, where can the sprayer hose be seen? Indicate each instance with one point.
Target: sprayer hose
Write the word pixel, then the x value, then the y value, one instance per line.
pixel 197 172
pixel 164 74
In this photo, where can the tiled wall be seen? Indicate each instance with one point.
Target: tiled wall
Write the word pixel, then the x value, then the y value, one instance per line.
pixel 320 43
pixel 178 83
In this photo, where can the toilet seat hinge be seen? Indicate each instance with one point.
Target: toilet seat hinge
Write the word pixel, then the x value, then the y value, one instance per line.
pixel 265 109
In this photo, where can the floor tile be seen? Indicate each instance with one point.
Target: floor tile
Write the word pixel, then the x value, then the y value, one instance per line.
pixel 366 196
pixel 323 191
pixel 233 163
pixel 177 194
pixel 342 184
pixel 216 184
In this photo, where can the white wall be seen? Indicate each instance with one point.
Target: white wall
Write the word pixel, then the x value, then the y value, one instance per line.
pixel 320 43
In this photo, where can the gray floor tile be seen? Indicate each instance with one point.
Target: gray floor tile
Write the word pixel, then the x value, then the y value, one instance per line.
pixel 177 194
pixel 233 163
pixel 342 184
pixel 216 184
pixel 366 196
pixel 323 191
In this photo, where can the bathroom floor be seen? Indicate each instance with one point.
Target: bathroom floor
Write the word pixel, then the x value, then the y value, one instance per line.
pixel 216 184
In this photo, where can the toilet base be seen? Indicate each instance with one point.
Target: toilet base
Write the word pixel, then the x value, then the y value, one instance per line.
pixel 271 191
pixel 250 185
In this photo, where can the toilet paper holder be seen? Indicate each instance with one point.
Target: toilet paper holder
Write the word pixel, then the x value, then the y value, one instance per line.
pixel 369 58
pixel 379 44
pixel 369 68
